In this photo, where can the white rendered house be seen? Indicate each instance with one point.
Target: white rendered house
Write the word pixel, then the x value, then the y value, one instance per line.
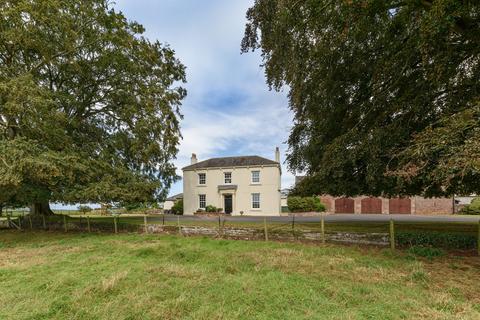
pixel 245 185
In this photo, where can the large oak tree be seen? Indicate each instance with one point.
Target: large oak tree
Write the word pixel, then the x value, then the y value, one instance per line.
pixel 89 108
pixel 385 93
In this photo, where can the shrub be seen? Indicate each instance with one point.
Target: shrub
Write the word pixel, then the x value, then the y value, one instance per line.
pixel 134 206
pixel 211 208
pixel 436 239
pixel 177 207
pixel 305 204
pixel 84 209
pixel 473 208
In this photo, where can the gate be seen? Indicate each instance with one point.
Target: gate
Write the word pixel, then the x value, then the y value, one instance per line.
pixel 400 206
pixel 371 205
pixel 344 205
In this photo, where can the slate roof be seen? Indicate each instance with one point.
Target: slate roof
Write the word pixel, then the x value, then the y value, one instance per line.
pixel 229 162
pixel 175 197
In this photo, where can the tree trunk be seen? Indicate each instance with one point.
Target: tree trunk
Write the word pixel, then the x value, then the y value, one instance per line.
pixel 41 208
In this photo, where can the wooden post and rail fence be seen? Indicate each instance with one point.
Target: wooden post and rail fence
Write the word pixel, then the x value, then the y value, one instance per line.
pixel 22 222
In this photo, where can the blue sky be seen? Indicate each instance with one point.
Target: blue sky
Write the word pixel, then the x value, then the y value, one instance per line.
pixel 229 110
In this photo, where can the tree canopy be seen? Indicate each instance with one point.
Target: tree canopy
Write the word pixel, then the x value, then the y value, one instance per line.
pixel 89 108
pixel 385 93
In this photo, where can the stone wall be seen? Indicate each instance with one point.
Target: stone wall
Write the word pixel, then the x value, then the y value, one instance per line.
pixel 380 239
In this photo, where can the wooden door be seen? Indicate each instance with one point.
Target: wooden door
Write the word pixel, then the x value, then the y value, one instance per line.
pixel 371 205
pixel 228 203
pixel 344 205
pixel 400 206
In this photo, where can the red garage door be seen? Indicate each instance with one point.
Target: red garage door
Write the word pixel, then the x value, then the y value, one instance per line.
pixel 344 205
pixel 400 205
pixel 371 205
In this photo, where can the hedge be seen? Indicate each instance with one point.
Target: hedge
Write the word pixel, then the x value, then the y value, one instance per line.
pixel 305 204
pixel 436 239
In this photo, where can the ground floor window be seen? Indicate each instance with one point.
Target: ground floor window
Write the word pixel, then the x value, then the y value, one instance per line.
pixel 202 201
pixel 256 200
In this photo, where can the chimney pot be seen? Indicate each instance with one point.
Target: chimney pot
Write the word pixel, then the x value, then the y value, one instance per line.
pixel 277 154
pixel 193 160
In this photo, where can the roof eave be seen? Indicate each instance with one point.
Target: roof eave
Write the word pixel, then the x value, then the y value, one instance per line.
pixel 230 167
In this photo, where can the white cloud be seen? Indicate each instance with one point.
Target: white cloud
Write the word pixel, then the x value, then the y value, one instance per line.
pixel 206 36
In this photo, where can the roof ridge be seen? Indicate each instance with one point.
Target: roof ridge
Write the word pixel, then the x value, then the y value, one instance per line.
pixel 235 161
pixel 253 155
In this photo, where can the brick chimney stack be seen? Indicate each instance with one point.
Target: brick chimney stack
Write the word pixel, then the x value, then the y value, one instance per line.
pixel 193 160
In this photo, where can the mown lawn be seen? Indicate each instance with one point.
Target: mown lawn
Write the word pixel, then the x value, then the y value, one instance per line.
pixel 132 276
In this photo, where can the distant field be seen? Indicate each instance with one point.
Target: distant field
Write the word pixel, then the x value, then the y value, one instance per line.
pixel 132 276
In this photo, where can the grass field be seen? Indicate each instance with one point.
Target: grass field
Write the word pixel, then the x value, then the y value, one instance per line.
pixel 131 276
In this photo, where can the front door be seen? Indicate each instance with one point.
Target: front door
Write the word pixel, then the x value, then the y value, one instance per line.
pixel 228 203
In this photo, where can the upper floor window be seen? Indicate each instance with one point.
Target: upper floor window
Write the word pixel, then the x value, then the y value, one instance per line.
pixel 255 176
pixel 256 200
pixel 228 177
pixel 202 201
pixel 202 178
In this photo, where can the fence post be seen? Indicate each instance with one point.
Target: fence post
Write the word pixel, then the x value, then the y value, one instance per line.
pixel 223 226
pixel 30 221
pixel 115 224
pixel 392 235
pixel 322 227
pixel 178 224
pixel 219 226
pixel 265 227
pixel 163 219
pixel 293 226
pixel 19 222
pixel 65 222
pixel 44 222
pixel 8 220
pixel 478 241
pixel 145 223
pixel 88 224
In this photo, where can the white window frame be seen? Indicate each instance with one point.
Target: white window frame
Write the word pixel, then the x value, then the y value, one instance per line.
pixel 200 201
pixel 256 202
pixel 229 179
pixel 200 180
pixel 253 176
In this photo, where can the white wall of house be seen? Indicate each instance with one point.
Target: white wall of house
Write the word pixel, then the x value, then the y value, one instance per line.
pixel 168 204
pixel 268 188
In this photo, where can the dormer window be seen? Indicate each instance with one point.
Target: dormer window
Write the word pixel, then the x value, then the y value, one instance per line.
pixel 227 177
pixel 255 176
pixel 202 178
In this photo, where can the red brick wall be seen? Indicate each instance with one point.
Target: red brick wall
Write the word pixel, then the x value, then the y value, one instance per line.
pixel 329 203
pixel 419 205
pixel 433 206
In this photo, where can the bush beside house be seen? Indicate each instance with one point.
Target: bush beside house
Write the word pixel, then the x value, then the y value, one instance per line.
pixel 305 204
pixel 177 208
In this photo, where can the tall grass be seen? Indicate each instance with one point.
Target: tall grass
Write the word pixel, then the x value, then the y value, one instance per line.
pixel 130 276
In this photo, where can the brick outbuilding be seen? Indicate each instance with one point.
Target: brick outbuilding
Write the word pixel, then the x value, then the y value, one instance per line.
pixel 380 205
